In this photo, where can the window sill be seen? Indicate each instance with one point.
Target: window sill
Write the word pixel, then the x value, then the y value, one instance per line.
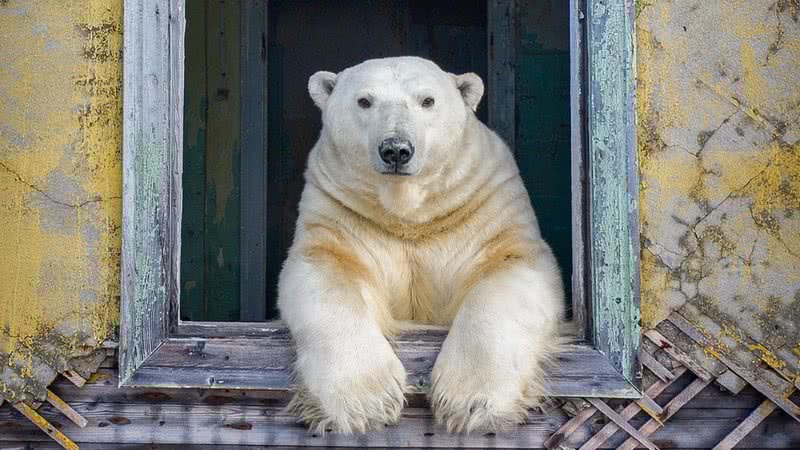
pixel 259 356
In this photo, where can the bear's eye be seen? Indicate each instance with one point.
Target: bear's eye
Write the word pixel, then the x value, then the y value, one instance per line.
pixel 428 102
pixel 364 103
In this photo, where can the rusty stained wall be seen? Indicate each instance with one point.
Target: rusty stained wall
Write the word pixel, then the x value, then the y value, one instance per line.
pixel 718 103
pixel 719 151
pixel 60 187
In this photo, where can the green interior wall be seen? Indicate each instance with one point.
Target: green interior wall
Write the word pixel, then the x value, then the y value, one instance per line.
pixel 452 33
pixel 211 189
pixel 543 121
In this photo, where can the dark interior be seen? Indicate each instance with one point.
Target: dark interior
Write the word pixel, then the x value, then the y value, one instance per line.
pixel 302 37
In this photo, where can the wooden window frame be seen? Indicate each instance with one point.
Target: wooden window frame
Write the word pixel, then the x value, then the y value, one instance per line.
pixel 157 349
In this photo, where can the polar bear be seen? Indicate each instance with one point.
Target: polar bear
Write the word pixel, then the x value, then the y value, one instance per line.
pixel 414 210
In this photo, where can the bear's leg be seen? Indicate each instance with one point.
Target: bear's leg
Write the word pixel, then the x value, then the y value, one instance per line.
pixel 489 371
pixel 347 374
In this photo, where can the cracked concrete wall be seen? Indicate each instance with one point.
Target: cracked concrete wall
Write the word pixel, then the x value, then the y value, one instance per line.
pixel 719 111
pixel 60 188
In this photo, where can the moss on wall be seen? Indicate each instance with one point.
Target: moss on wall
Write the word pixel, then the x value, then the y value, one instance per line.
pixel 60 186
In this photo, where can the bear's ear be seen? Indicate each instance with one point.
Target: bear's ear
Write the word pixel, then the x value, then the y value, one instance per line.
pixel 320 86
pixel 471 87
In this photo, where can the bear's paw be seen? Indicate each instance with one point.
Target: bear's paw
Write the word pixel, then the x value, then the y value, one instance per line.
pixel 355 405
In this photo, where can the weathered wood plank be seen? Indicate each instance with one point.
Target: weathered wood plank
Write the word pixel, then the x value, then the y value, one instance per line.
pixel 152 127
pixel 232 329
pixel 621 422
pixel 690 428
pixel 253 170
pixel 229 363
pixel 613 183
pixel 26 445
pixel 780 398
pixel 266 426
pixel 577 75
pixel 702 423
pixel 102 386
pixel 171 252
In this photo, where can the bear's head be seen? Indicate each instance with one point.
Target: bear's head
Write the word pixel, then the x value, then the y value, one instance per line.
pixel 395 117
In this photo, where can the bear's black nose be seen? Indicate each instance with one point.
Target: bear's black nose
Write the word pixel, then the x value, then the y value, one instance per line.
pixel 396 151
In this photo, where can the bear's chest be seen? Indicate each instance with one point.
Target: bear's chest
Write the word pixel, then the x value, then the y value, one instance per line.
pixel 426 281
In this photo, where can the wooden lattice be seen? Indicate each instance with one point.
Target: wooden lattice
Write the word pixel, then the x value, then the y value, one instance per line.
pixel 707 369
pixel 674 350
pixel 60 405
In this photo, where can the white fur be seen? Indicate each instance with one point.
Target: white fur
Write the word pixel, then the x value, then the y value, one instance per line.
pixel 456 243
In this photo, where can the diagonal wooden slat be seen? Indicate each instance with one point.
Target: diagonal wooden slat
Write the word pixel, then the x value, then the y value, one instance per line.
pixel 649 406
pixel 671 408
pixel 656 367
pixel 569 427
pixel 72 376
pixel 630 411
pixel 732 382
pixel 45 426
pixel 65 409
pixel 743 429
pixel 621 422
pixel 677 354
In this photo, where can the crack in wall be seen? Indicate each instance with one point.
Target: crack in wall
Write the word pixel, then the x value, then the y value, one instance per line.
pixel 45 194
pixel 720 230
pixel 731 194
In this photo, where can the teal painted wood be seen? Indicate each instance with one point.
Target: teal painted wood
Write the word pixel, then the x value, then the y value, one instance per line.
pixel 193 231
pixel 223 188
pixel 543 122
pixel 581 315
pixel 501 85
pixel 152 139
pixel 613 184
pixel 253 136
pixel 211 257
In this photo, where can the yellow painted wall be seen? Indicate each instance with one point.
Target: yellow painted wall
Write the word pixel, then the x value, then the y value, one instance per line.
pixel 719 113
pixel 60 183
pixel 719 150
